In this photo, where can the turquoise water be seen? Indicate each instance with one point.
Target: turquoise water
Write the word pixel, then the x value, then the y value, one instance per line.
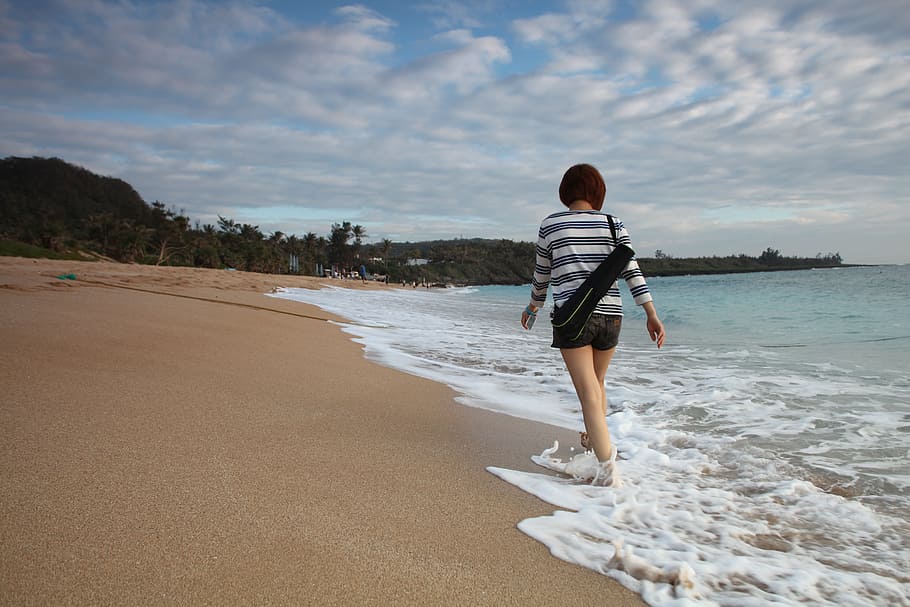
pixel 858 316
pixel 766 446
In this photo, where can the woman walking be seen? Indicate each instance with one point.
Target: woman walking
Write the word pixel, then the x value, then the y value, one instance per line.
pixel 570 245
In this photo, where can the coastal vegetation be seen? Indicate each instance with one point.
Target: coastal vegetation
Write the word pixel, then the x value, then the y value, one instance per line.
pixel 50 208
pixel 769 260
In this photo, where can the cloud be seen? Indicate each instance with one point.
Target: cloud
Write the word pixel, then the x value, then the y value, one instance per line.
pixel 457 14
pixel 468 65
pixel 364 19
pixel 706 118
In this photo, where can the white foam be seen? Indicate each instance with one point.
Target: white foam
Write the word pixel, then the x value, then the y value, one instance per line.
pixel 740 532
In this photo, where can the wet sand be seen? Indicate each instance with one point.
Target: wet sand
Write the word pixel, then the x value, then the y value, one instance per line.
pixel 174 436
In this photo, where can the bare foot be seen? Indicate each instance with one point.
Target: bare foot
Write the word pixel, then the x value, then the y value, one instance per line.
pixel 607 474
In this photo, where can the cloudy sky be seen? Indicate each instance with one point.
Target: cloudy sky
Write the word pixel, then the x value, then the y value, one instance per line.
pixel 720 127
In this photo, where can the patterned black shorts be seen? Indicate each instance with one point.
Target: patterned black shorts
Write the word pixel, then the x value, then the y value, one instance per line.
pixel 601 332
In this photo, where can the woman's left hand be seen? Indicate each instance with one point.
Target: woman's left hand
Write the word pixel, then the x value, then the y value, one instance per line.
pixel 656 330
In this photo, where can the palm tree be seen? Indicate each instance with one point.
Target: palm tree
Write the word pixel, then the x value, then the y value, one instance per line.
pixel 228 226
pixel 252 248
pixel 275 261
pixel 100 229
pixel 339 251
pixel 134 240
pixel 386 252
pixel 172 236
pixel 206 247
pixel 359 233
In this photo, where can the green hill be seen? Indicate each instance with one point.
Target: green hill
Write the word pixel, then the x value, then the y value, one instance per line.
pixel 45 201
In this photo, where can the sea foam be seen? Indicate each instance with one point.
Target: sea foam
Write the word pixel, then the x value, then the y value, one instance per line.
pixel 750 475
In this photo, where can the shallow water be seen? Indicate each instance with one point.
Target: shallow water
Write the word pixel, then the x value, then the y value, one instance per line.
pixel 765 447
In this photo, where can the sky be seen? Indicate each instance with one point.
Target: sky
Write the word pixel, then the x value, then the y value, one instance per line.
pixel 720 127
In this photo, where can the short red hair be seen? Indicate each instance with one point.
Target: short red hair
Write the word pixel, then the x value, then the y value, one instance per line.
pixel 583 182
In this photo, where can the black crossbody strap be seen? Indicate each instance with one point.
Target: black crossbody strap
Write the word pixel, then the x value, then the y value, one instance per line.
pixel 613 230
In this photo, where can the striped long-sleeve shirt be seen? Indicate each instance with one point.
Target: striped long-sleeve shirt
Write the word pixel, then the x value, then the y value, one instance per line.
pixel 570 245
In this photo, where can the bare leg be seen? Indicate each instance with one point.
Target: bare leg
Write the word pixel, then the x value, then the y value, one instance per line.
pixel 587 368
pixel 602 360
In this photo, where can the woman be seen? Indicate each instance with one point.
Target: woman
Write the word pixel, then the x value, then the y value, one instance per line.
pixel 570 245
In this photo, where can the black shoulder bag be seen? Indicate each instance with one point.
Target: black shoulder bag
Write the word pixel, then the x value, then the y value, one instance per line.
pixel 570 318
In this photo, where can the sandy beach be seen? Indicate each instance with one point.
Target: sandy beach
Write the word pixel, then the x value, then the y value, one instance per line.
pixel 174 436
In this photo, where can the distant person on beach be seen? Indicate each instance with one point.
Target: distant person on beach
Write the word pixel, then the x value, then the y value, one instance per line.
pixel 570 245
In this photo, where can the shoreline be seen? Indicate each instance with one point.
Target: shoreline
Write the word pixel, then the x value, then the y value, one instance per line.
pixel 176 436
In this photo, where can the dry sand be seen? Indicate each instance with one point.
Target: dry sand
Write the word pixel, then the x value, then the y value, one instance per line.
pixel 173 436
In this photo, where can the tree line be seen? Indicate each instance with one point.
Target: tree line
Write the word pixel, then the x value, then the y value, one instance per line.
pixel 61 209
pixel 65 209
pixel 662 264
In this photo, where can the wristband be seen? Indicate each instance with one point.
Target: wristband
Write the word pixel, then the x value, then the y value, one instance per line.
pixel 529 311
